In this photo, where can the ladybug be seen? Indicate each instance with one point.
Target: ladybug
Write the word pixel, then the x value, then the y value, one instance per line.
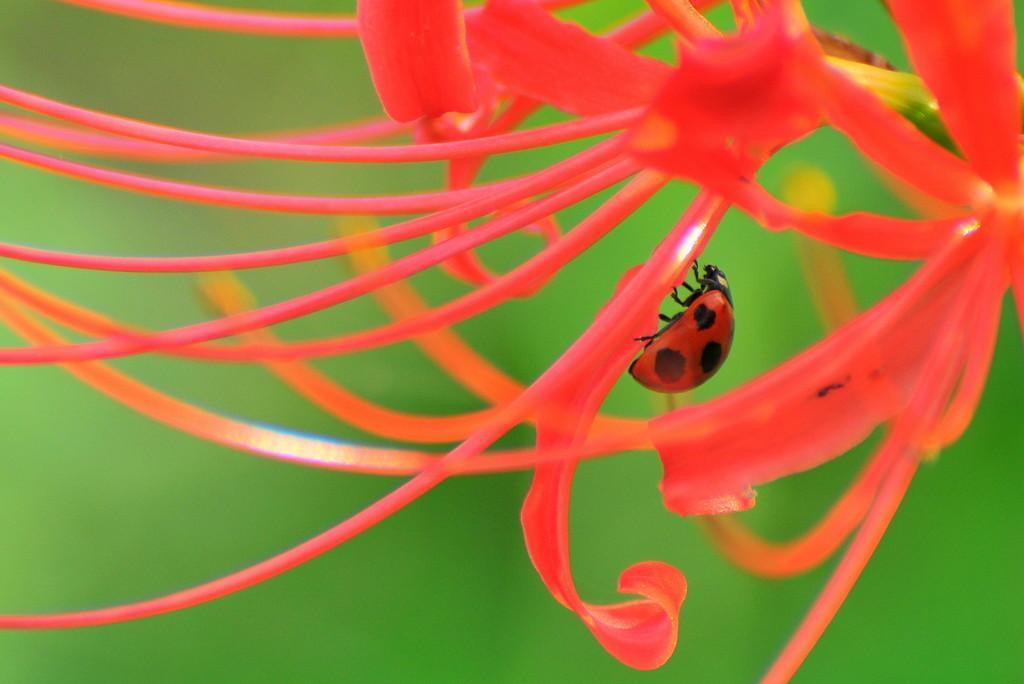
pixel 694 342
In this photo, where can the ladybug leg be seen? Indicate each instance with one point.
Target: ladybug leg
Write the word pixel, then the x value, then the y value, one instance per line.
pixel 669 320
pixel 646 339
pixel 675 294
pixel 691 299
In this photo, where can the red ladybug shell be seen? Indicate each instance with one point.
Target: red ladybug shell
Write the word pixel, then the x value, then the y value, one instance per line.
pixel 688 351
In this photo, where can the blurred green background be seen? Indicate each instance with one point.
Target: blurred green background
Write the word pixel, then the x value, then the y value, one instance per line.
pixel 100 505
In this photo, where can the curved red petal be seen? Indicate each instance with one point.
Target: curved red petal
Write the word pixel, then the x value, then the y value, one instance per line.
pixel 416 51
pixel 640 633
pixel 536 55
pixel 965 50
pixel 643 633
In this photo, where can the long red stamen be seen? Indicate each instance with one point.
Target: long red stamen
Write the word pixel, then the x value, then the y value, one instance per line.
pixel 229 296
pixel 285 445
pixel 457 358
pixel 535 270
pixel 980 348
pixel 388 205
pixel 195 15
pixel 551 134
pixel 73 139
pixel 547 179
pixel 673 256
pixel 317 300
pixel 846 574
pixel 264 441
pixel 381 509
pixel 445 347
pixel 810 549
pixel 682 16
pixel 461 174
pixel 940 373
pixel 638 31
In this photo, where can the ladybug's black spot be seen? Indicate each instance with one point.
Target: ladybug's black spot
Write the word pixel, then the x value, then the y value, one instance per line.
pixel 704 316
pixel 710 357
pixel 669 365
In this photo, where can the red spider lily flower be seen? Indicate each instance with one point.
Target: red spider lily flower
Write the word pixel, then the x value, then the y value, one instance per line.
pixel 462 82
pixel 919 358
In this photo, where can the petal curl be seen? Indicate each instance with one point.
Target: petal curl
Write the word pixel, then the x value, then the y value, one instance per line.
pixel 641 633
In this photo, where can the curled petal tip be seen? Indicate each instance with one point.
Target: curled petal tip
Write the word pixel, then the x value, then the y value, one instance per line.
pixel 642 634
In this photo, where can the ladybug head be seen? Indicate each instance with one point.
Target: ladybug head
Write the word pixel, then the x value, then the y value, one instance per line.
pixel 714 279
